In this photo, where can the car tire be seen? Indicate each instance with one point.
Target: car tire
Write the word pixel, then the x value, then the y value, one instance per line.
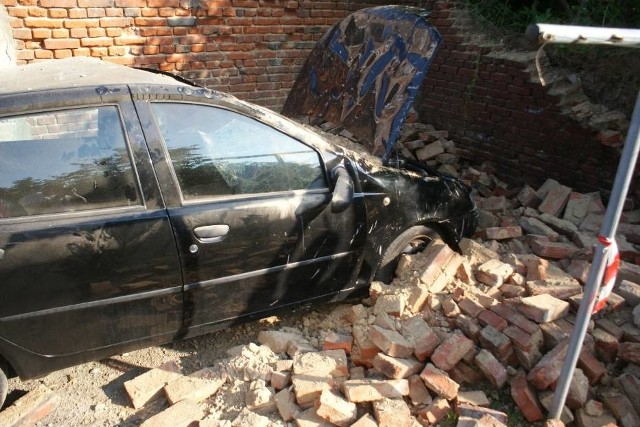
pixel 4 387
pixel 415 239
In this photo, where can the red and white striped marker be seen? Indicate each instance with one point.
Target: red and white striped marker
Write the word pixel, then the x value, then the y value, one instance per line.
pixel 610 272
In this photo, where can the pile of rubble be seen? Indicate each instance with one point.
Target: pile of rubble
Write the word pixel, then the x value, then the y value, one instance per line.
pixel 417 350
pixel 427 348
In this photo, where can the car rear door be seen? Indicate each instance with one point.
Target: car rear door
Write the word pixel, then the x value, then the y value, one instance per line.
pixel 250 206
pixel 87 255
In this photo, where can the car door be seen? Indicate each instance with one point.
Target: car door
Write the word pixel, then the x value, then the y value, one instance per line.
pixel 252 214
pixel 87 255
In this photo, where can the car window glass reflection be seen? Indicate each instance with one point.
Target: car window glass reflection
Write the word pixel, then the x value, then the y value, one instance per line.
pixel 64 161
pixel 216 152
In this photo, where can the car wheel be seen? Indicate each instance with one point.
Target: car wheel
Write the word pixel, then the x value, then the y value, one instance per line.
pixel 415 239
pixel 4 387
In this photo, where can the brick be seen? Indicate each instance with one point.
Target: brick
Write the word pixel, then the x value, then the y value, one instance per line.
pixel 463 373
pixel 307 388
pixel 621 408
pixel 528 197
pixel 502 233
pixel 277 341
pixel 429 151
pixel 392 304
pixel 390 342
pixel 396 368
pixel 524 396
pixel 546 399
pixel 562 226
pixel 578 390
pixel 322 363
pixel 555 332
pixel 335 409
pixel 260 398
pixel 630 291
pixel 418 392
pixel 547 370
pixel 286 404
pixel 53 44
pixel 496 342
pixel 563 292
pixel 365 421
pixel 494 204
pixel 464 410
pixel 335 341
pixel 280 380
pixel 579 269
pixel 449 307
pixel 368 390
pixel 145 387
pixel 494 272
pixel 418 332
pixel 248 418
pixel 591 366
pixel 363 350
pixel 435 411
pixel 543 308
pixel 491 367
pixel 296 348
pixel 439 382
pixel 31 408
pixel 536 227
pixel 470 307
pixel 96 41
pixel 606 345
pixel 526 346
pixel 630 386
pixel 557 250
pixel 555 200
pixel 195 387
pixel 488 317
pixel 585 420
pixel 512 316
pixel 182 413
pixel 594 408
pixel 451 351
pixel 547 186
pixel 468 326
pixel 392 413
pixel 474 397
pixel 611 328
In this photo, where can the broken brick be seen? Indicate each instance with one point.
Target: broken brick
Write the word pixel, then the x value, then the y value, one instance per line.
pixel 451 351
pixel 525 398
pixel 439 382
pixel 390 342
pixel 543 308
pixel 392 413
pixel 335 341
pixel 421 336
pixel 145 387
pixel 286 404
pixel 488 317
pixel 555 200
pixel 182 413
pixel 396 368
pixel 491 367
pixel 335 409
pixel 370 390
pixel 436 411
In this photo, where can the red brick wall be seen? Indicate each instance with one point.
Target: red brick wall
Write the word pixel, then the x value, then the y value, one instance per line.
pixel 251 48
pixel 496 111
pixel 255 48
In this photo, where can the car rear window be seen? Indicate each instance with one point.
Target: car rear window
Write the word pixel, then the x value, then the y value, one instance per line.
pixel 65 161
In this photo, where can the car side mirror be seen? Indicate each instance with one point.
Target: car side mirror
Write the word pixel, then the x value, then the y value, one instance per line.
pixel 343 190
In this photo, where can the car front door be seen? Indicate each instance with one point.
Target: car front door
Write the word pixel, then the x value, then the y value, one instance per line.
pixel 251 213
pixel 87 254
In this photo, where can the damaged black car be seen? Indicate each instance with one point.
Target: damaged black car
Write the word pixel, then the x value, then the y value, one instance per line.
pixel 137 210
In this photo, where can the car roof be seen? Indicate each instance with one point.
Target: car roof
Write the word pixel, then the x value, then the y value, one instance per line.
pixel 74 72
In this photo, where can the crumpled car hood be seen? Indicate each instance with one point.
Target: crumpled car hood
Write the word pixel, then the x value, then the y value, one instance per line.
pixel 365 72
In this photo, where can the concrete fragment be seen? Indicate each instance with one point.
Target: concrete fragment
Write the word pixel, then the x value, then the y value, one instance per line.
pixel 310 418
pixel 321 363
pixel 365 421
pixel 260 398
pixel 246 418
pixel 278 341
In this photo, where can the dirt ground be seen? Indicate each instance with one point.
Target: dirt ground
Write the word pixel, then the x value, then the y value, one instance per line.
pixel 93 394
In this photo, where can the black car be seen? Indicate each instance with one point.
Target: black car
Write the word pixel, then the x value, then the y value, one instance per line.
pixel 136 209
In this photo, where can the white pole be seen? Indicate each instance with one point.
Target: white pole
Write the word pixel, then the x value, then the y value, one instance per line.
pixel 546 33
pixel 550 33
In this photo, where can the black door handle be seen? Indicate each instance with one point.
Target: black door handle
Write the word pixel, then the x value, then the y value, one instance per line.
pixel 211 233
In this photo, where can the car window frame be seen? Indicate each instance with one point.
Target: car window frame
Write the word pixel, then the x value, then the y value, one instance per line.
pixel 233 197
pixel 96 212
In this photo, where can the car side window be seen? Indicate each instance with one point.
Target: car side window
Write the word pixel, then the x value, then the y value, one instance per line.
pixel 216 152
pixel 65 161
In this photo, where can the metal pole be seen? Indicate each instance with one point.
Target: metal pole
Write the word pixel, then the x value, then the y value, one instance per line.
pixel 551 33
pixel 608 230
